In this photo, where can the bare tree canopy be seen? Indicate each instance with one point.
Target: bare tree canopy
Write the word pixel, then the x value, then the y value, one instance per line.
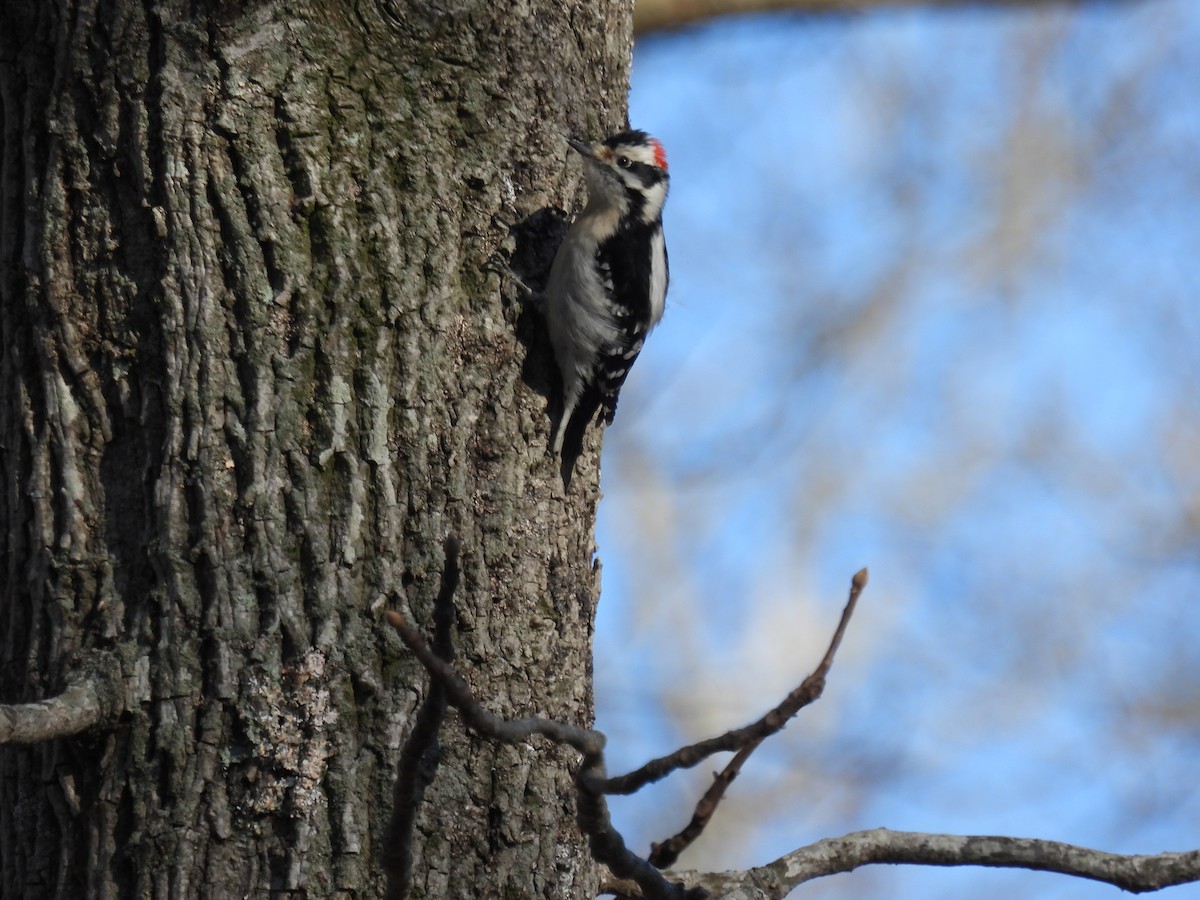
pixel 655 15
pixel 932 314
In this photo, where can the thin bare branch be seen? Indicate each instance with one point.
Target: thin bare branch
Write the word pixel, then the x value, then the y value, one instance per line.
pixel 608 846
pixel 74 711
pixel 94 699
pixel 508 731
pixel 605 841
pixel 1136 874
pixel 664 854
pixel 808 691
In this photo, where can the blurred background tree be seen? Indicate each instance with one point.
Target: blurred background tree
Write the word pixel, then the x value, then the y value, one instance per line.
pixel 933 310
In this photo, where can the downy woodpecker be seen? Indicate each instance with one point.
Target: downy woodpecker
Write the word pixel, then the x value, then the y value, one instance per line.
pixel 608 284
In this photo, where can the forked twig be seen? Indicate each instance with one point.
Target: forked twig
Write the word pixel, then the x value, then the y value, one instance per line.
pixel 419 759
pixel 664 854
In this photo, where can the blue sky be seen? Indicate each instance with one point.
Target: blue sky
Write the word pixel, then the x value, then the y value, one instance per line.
pixel 933 310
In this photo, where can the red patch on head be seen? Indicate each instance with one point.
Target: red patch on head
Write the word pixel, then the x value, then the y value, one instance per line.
pixel 660 155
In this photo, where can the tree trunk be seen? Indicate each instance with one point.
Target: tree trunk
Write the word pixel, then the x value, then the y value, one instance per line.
pixel 254 371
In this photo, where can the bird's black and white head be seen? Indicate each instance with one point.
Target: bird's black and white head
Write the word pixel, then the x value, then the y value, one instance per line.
pixel 627 173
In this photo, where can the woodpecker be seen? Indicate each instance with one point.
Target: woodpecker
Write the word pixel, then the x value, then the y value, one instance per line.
pixel 608 284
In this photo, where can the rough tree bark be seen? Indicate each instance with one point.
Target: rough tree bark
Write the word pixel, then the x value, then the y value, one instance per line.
pixel 254 371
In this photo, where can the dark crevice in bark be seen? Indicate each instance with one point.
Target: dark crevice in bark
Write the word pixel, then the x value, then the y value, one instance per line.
pixel 421 754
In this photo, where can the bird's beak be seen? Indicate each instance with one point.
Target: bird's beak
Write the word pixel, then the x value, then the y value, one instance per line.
pixel 582 146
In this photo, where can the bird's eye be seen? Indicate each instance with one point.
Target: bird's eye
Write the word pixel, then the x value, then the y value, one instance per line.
pixel 623 162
